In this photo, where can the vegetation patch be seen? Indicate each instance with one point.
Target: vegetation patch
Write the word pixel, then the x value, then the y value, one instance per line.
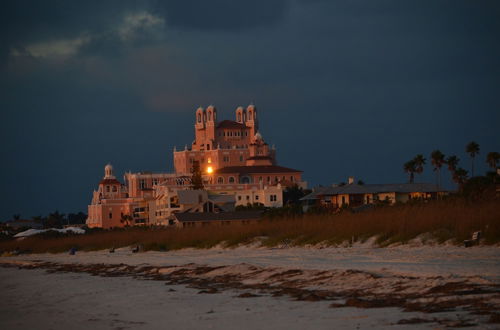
pixel 437 221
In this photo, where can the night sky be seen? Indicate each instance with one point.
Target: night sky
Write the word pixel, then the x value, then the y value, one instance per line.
pixel 342 87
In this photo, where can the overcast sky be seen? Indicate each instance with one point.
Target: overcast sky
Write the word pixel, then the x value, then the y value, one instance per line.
pixel 342 87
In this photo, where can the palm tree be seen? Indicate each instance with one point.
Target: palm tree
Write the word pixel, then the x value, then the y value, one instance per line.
pixel 492 158
pixel 55 219
pixel 452 162
pixel 460 176
pixel 419 161
pixel 472 149
pixel 196 178
pixel 126 219
pixel 410 168
pixel 437 159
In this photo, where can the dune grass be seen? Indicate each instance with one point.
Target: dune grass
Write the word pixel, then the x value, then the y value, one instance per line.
pixel 440 221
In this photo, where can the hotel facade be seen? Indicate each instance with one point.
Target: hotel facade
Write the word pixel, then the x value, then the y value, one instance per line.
pixel 234 161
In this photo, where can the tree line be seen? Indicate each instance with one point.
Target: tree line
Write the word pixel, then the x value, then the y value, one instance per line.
pixel 56 219
pixel 458 174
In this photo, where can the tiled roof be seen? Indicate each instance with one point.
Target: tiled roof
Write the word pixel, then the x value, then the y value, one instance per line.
pixel 225 216
pixel 256 169
pixel 373 189
pixel 230 124
pixel 218 198
pixel 109 181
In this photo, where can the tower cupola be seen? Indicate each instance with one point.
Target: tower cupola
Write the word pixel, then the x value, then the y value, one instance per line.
pixel 108 172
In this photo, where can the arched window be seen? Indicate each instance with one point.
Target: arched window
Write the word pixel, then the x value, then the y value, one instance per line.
pixel 199 117
pixel 114 189
pixel 245 180
pixel 260 179
pixel 268 179
pixel 292 178
pixel 239 116
pixel 107 188
pixel 231 179
pixel 210 115
pixel 220 180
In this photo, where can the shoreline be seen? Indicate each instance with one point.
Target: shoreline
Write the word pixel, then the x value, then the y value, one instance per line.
pixel 386 278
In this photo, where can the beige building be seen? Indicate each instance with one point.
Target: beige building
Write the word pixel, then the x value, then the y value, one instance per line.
pixel 354 195
pixel 234 160
pixel 183 220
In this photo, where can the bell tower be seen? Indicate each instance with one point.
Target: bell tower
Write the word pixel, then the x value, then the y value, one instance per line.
pixel 199 128
pixel 251 119
pixel 108 172
pixel 211 122
pixel 241 115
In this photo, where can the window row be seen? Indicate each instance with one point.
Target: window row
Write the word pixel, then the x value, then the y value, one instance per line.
pixel 246 179
pixel 205 116
pixel 108 188
pixel 233 133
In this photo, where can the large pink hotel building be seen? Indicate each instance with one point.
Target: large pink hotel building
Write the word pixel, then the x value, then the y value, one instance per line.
pixel 233 158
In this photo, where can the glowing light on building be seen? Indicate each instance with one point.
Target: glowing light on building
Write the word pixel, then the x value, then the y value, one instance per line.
pixel 210 170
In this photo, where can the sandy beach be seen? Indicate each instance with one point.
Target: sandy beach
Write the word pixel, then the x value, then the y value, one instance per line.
pixel 248 287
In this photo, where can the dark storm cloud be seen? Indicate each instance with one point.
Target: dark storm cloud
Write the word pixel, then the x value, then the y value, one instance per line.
pixel 343 87
pixel 225 15
pixel 23 22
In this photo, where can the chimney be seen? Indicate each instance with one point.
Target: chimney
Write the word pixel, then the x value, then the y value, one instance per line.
pixel 350 180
